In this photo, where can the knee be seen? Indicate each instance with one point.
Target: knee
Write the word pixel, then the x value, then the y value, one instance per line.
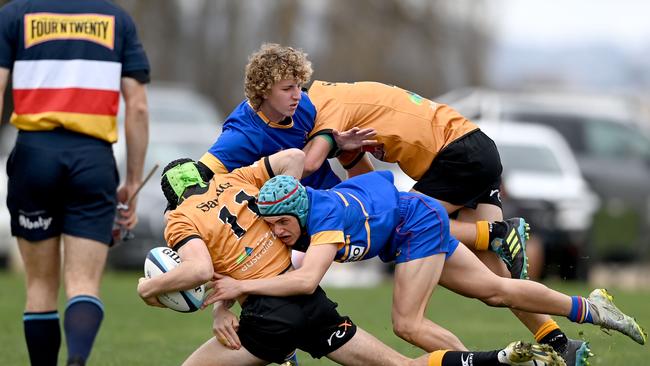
pixel 407 329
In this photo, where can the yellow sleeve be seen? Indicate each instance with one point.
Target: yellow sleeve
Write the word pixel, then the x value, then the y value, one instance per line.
pixel 213 163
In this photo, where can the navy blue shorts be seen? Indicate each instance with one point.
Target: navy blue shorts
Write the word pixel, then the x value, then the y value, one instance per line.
pixel 61 182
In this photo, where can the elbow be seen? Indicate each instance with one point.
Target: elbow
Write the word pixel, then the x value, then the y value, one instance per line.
pixel 203 273
pixel 296 155
pixel 312 164
pixel 139 108
pixel 308 286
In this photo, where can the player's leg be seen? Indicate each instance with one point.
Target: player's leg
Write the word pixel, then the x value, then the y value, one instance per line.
pixel 41 318
pixel 213 353
pixel 84 261
pixel 465 274
pixel 89 201
pixel 421 242
pixel 414 284
pixel 33 199
pixel 541 326
pixel 364 349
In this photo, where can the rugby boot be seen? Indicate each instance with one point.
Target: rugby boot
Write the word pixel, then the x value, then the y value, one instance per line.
pixel 526 354
pixel 512 248
pixel 576 353
pixel 608 316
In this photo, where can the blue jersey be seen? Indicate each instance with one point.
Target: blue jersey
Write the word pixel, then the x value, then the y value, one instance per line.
pixel 248 136
pixel 366 217
pixel 359 214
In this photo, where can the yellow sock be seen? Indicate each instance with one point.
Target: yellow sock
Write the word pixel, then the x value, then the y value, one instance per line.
pixel 435 359
pixel 546 328
pixel 482 235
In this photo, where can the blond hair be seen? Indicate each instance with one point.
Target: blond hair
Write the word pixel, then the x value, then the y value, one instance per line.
pixel 270 64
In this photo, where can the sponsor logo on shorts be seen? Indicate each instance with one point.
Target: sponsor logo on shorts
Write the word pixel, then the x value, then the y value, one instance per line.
pixel 467 361
pixel 498 192
pixel 339 333
pixel 37 223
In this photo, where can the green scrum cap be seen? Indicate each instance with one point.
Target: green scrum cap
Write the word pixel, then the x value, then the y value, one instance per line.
pixel 284 195
pixel 179 175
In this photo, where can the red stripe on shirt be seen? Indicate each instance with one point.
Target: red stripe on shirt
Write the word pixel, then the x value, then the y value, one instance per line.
pixel 72 100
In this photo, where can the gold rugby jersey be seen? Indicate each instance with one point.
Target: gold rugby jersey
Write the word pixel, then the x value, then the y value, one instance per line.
pixel 410 129
pixel 226 218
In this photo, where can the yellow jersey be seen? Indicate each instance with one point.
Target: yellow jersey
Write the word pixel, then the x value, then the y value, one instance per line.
pixel 411 130
pixel 226 218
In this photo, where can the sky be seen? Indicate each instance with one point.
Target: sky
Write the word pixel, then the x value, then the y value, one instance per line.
pixel 548 22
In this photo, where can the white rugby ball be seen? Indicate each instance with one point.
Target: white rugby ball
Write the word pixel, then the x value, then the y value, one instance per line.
pixel 162 259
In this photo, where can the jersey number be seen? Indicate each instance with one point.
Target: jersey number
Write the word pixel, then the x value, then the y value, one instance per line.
pixel 228 218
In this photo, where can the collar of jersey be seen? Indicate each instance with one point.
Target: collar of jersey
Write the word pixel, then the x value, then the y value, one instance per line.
pixel 270 123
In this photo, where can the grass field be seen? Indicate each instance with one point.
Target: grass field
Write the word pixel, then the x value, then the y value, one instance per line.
pixel 134 334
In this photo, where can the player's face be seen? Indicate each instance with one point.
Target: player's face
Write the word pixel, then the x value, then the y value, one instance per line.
pixel 282 100
pixel 285 227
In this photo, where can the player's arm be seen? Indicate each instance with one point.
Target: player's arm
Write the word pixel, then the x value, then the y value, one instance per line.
pixel 316 152
pixel 302 281
pixel 194 270
pixel 287 162
pixel 332 143
pixel 356 163
pixel 136 130
pixel 4 79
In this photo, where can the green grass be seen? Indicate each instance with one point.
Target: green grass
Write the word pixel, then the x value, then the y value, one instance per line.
pixel 134 334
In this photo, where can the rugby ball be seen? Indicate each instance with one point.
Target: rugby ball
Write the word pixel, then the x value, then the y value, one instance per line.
pixel 162 259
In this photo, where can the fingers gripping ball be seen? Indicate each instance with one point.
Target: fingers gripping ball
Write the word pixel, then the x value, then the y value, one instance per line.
pixel 162 259
pixel 284 195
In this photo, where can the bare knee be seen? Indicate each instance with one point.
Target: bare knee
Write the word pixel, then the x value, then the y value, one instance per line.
pixel 405 328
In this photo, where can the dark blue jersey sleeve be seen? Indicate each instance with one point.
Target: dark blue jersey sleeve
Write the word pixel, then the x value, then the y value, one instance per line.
pixel 9 24
pixel 134 57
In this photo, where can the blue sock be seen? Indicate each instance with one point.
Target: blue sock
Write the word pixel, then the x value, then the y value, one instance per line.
pixel 83 315
pixel 580 310
pixel 43 337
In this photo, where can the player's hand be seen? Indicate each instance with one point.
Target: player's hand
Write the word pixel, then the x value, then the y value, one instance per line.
pixel 355 138
pixel 149 300
pixel 223 288
pixel 126 216
pixel 224 326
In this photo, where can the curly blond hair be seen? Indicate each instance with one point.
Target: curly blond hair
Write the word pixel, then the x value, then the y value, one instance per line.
pixel 270 64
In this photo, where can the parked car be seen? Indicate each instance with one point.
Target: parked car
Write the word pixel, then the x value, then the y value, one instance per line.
pixel 607 135
pixel 542 182
pixel 183 123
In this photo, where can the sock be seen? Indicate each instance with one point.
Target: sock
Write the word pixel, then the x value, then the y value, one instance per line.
pixel 482 235
pixel 550 333
pixel 43 337
pixel 497 230
pixel 462 358
pixel 83 315
pixel 580 310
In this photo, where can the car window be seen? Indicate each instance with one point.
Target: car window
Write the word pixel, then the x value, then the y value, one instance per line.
pixel 572 128
pixel 614 140
pixel 538 159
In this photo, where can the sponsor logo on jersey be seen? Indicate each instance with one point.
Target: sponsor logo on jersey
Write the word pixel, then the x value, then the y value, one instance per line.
pixel 356 253
pixel 416 99
pixel 242 257
pixel 44 27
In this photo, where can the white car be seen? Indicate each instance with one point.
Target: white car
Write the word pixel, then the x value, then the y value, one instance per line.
pixel 543 183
